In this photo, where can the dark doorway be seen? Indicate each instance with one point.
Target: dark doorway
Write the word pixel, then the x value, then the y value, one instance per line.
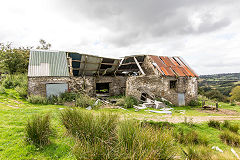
pixel 144 97
pixel 102 87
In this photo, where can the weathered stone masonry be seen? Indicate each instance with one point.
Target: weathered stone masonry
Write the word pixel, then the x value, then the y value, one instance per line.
pixel 160 87
pixel 87 84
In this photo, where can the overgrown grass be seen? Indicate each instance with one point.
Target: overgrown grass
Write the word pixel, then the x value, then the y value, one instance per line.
pixel 230 138
pixel 102 136
pixel 38 130
pixel 214 124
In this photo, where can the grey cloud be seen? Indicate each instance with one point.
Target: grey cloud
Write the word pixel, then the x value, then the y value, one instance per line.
pixel 131 21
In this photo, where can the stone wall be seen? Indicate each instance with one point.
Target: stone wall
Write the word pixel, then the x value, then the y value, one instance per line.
pixel 87 84
pixel 37 85
pixel 160 87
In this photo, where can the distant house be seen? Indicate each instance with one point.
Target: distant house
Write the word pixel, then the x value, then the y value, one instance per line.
pixel 140 76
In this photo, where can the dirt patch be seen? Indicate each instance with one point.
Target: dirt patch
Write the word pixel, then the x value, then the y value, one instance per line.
pixel 9 105
pixel 220 111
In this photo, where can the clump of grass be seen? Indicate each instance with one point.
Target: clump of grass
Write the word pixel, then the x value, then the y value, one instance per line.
pixel 38 130
pixel 230 138
pixel 102 136
pixel 214 124
pixel 197 152
pixel 232 127
pixel 84 101
pixel 95 133
pixel 138 142
pixel 190 137
pixel 37 99
pixel 157 125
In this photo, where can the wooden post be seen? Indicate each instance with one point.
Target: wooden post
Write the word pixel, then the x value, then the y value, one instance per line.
pixel 140 68
pixel 217 106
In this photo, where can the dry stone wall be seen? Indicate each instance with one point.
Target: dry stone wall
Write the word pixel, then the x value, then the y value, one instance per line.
pixel 160 87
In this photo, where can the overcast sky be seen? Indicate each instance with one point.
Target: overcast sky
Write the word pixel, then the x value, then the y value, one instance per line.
pixel 206 33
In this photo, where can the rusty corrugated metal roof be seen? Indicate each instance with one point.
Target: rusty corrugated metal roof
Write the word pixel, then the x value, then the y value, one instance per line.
pixel 173 66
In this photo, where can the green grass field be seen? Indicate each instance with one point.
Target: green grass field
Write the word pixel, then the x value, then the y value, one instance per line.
pixel 14 113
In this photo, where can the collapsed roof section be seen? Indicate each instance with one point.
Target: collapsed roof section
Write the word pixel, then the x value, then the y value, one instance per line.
pixel 58 63
pixel 83 64
pixel 131 64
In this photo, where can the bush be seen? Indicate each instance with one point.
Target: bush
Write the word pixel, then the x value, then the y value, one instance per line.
pixel 38 130
pixel 130 101
pixel 127 102
pixel 230 138
pixel 214 124
pixel 84 101
pixel 22 91
pixel 194 103
pixel 12 81
pixel 37 99
pixel 68 96
pixel 2 90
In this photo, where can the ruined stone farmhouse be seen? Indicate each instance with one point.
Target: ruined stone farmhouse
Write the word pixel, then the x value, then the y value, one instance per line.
pixel 140 76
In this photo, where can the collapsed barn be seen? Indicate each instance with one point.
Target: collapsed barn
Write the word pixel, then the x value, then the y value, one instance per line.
pixel 140 76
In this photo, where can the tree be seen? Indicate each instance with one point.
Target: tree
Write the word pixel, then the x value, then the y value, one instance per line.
pixel 44 45
pixel 14 60
pixel 235 93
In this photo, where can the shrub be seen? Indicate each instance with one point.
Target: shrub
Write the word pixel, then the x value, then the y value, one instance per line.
pixel 230 138
pixel 120 102
pixel 37 99
pixel 2 90
pixel 194 103
pixel 22 91
pixel 130 101
pixel 68 96
pixel 38 130
pixel 84 101
pixel 12 81
pixel 214 124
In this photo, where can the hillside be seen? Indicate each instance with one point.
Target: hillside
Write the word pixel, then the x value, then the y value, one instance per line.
pixel 222 82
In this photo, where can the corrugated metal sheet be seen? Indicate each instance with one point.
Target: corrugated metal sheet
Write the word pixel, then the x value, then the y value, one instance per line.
pixel 173 66
pixel 47 63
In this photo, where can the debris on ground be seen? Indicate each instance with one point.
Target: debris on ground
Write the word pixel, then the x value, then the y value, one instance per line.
pixel 235 153
pixel 122 108
pixel 163 112
pixel 217 149
pixel 89 108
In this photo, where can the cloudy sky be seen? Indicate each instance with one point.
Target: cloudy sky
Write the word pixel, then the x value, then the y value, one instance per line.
pixel 206 33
